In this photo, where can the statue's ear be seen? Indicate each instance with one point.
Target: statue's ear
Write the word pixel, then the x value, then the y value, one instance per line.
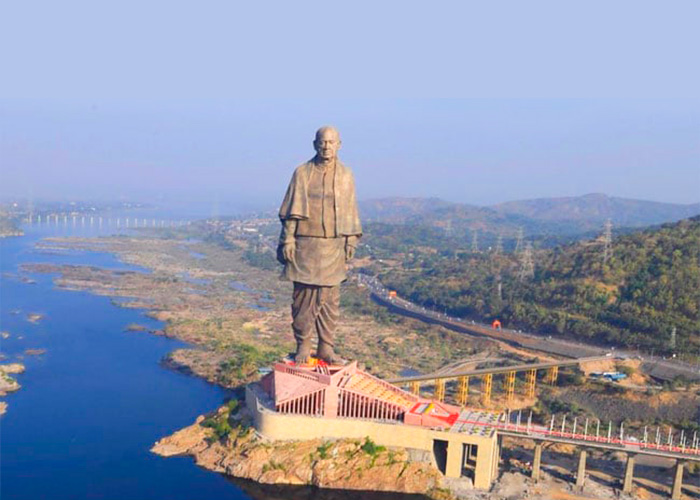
pixel 340 144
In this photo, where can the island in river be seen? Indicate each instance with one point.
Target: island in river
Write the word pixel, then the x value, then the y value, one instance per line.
pixel 8 383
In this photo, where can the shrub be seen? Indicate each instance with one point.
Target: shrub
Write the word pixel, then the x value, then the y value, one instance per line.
pixel 323 450
pixel 371 448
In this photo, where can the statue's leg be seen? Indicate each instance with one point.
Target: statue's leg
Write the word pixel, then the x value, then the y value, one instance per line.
pixel 326 322
pixel 304 312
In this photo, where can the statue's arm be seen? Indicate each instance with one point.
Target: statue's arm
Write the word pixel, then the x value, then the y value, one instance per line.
pixel 287 242
pixel 350 246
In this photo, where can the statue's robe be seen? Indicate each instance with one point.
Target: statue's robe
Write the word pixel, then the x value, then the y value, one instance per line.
pixel 326 220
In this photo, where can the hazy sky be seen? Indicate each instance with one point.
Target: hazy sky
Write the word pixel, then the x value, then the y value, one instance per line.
pixel 170 99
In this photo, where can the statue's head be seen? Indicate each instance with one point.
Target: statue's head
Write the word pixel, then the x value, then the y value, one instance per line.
pixel 327 143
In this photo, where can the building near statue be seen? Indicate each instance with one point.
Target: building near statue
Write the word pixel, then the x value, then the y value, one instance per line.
pixel 316 400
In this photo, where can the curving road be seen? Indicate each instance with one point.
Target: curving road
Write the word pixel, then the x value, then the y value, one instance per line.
pixel 659 368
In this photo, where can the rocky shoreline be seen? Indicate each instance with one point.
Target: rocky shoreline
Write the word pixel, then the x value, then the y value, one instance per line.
pixel 343 464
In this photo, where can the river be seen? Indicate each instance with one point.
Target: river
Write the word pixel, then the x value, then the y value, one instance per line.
pixel 92 405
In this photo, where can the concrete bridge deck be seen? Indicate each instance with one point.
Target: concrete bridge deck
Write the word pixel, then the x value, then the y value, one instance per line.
pixel 601 442
pixel 496 370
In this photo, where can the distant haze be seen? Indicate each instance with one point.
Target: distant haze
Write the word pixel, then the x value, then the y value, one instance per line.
pixel 227 153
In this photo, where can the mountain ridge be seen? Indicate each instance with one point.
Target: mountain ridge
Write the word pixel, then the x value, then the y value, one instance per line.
pixel 571 215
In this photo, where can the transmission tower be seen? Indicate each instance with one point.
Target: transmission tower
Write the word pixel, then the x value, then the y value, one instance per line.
pixel 527 263
pixel 499 244
pixel 448 227
pixel 519 240
pixel 607 241
pixel 475 241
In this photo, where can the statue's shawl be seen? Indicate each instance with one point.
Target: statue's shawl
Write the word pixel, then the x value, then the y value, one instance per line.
pixel 296 202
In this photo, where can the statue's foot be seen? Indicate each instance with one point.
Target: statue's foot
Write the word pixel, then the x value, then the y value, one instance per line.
pixel 303 354
pixel 330 357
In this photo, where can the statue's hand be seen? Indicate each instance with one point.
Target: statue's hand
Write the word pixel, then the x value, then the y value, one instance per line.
pixel 288 251
pixel 349 252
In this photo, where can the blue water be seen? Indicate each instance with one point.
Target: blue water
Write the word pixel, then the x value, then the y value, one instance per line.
pixel 92 406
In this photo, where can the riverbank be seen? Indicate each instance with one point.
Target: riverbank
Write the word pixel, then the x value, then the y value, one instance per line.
pixel 8 227
pixel 225 442
pixel 237 316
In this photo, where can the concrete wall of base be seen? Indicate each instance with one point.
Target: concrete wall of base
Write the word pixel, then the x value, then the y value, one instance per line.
pixel 277 426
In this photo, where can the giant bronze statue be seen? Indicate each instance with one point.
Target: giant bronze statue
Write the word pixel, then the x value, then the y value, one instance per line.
pixel 320 231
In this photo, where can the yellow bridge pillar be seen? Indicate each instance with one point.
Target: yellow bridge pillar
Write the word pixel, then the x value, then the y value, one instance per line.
pixel 440 389
pixel 510 386
pixel 552 374
pixel 415 387
pixel 531 378
pixel 462 390
pixel 486 389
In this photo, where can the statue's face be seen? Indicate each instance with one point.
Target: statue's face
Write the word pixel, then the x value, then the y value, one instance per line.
pixel 327 144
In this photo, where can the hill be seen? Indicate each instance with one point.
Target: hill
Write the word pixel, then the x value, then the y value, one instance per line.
pixel 647 288
pixel 553 220
pixel 398 209
pixel 592 210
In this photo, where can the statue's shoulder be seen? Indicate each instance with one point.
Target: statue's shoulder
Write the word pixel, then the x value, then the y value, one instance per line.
pixel 303 168
pixel 343 168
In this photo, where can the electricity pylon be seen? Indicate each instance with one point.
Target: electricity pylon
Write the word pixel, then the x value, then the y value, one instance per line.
pixel 527 264
pixel 607 241
pixel 519 240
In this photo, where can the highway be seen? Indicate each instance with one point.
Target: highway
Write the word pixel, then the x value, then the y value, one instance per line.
pixel 659 368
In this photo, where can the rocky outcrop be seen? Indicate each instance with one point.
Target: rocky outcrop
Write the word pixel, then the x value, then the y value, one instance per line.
pixel 7 383
pixel 343 464
pixel 34 317
pixel 187 441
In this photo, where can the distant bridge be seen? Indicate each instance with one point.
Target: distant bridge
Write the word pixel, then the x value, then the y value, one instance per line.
pixel 100 221
pixel 438 380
